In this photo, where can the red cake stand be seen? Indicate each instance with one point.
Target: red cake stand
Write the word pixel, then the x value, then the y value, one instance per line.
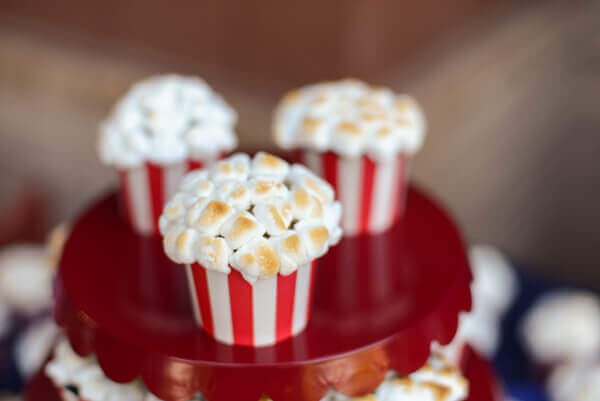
pixel 379 302
pixel 483 385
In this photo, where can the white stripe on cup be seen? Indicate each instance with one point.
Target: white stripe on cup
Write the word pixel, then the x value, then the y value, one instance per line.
pixel 383 195
pixel 264 309
pixel 218 291
pixel 172 175
pixel 349 187
pixel 141 199
pixel 301 298
pixel 194 294
pixel 313 160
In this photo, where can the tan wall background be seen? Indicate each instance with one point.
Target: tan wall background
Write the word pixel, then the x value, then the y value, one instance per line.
pixel 511 97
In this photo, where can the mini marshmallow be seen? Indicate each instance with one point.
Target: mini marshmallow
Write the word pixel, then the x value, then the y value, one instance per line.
pixel 213 253
pixel 563 327
pixel 212 217
pixel 166 119
pixel 236 167
pixel 293 252
pixel 350 118
pixel 256 259
pixel 241 228
pixel 247 216
pixel 264 189
pixel 302 177
pixel 265 164
pixel 275 218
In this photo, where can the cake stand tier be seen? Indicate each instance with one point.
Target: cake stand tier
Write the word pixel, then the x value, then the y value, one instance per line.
pixel 379 301
pixel 483 384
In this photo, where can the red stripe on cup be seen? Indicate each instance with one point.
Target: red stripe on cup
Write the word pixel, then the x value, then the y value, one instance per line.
pixel 156 185
pixel 368 176
pixel 202 297
pixel 241 303
pixel 286 288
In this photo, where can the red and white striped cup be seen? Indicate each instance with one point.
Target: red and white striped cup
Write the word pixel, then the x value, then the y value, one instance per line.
pixel 233 311
pixel 372 193
pixel 145 189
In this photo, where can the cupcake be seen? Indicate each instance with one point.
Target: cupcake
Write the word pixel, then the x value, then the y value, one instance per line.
pixel 359 138
pixel 82 379
pixel 493 290
pixel 562 327
pixel 249 231
pixel 575 382
pixel 163 127
pixel 437 380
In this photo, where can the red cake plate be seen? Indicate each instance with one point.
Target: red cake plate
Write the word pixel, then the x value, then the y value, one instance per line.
pixel 379 302
pixel 483 385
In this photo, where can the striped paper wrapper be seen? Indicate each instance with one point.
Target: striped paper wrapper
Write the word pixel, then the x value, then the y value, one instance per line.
pixel 372 193
pixel 233 311
pixel 144 191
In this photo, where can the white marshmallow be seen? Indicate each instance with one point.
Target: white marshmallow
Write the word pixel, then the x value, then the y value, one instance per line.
pixel 165 119
pixel 563 327
pixel 241 228
pixel 348 117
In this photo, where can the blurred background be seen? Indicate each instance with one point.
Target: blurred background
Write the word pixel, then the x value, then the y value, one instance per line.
pixel 510 89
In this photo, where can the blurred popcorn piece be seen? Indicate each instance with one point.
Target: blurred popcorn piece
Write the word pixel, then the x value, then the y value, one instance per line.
pixel 575 382
pixel 493 290
pixel 563 327
pixel 25 279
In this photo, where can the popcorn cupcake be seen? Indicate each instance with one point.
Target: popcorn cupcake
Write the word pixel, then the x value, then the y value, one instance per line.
pixel 249 231
pixel 82 379
pixel 437 380
pixel 493 290
pixel 562 327
pixel 163 127
pixel 359 138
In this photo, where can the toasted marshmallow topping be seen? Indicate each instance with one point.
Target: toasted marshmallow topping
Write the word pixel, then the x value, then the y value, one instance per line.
pixel 26 278
pixel 69 369
pixel 350 118
pixel 563 327
pixel 166 119
pixel 259 216
pixel 575 382
pixel 436 381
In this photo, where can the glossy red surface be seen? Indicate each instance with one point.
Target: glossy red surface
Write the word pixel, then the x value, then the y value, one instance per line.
pixel 482 381
pixel 379 301
pixel 483 384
